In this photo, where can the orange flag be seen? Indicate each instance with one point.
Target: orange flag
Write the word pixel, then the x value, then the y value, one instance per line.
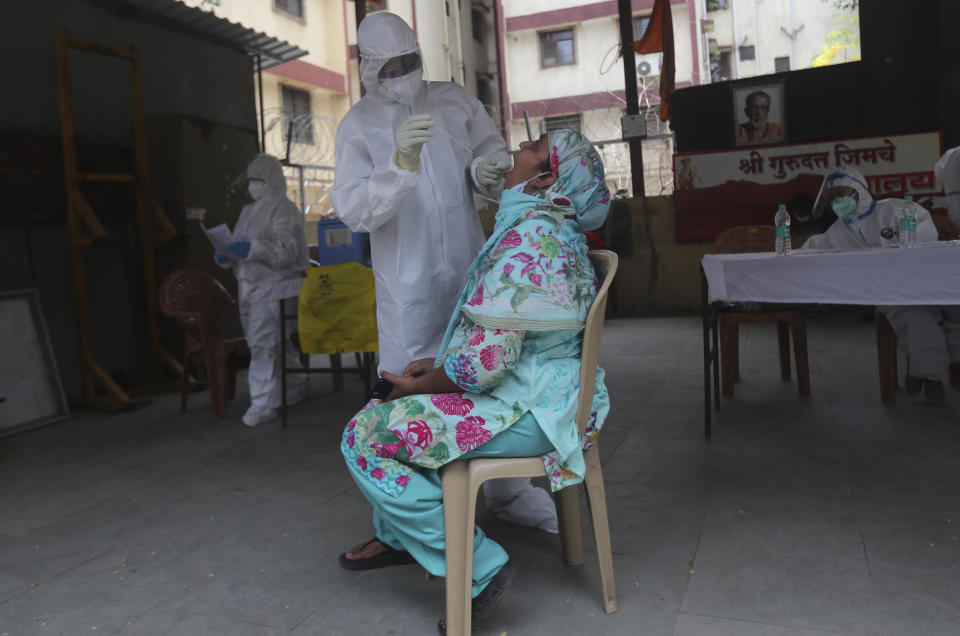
pixel 659 37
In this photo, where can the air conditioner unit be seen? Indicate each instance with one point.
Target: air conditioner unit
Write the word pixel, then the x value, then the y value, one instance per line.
pixel 648 65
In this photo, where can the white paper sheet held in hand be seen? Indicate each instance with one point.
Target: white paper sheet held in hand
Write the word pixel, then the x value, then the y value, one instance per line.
pixel 220 237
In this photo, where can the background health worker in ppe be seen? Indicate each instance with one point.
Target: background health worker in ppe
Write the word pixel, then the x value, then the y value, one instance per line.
pixel 407 155
pixel 929 334
pixel 268 256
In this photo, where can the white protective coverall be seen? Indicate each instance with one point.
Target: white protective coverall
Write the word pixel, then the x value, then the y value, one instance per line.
pixel 948 174
pixel 424 229
pixel 927 333
pixel 273 270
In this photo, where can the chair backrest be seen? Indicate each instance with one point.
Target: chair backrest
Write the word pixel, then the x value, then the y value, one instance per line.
pixel 196 300
pixel 947 230
pixel 746 238
pixel 605 264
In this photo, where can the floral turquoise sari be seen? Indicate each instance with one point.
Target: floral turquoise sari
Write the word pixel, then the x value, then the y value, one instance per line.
pixel 513 344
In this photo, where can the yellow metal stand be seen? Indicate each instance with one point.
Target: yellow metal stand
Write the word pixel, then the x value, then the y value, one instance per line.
pixel 84 226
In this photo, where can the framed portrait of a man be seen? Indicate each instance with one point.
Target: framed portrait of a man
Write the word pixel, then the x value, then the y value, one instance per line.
pixel 758 114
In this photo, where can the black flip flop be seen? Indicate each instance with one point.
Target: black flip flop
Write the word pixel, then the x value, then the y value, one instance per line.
pixel 482 606
pixel 382 560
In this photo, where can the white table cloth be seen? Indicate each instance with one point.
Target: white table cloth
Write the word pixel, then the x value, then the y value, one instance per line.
pixel 927 275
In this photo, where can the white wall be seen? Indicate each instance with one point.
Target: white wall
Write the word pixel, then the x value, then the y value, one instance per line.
pixel 766 24
pixel 596 43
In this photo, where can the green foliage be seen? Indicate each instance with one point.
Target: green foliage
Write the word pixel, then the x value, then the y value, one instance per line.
pixel 844 5
pixel 210 3
pixel 840 45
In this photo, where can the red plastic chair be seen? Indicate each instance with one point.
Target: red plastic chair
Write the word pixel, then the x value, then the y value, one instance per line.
pixel 196 299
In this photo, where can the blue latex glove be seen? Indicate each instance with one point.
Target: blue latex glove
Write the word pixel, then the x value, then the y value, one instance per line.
pixel 240 248
pixel 220 258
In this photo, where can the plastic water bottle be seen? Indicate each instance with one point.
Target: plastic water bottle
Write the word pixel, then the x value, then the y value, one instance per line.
pixel 908 223
pixel 782 221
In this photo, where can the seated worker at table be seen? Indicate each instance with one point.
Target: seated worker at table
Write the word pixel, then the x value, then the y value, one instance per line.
pixel 507 376
pixel 930 335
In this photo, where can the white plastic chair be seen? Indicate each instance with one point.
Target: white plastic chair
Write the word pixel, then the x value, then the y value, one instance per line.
pixel 462 479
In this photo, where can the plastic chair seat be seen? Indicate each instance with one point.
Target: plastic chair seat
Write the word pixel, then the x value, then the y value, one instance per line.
pixel 463 478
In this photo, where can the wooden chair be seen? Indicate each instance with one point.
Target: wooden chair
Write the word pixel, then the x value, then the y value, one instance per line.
pixel 196 299
pixel 758 238
pixel 462 478
pixel 947 230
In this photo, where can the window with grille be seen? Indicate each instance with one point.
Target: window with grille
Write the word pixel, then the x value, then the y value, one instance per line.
pixel 748 52
pixel 557 48
pixel 640 24
pixel 567 122
pixel 293 7
pixel 781 64
pixel 296 115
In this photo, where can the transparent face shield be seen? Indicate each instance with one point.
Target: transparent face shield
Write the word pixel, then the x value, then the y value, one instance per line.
pixel 400 66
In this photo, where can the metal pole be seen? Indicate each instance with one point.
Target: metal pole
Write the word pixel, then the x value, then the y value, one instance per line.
pixel 501 73
pixel 263 128
pixel 303 192
pixel 630 90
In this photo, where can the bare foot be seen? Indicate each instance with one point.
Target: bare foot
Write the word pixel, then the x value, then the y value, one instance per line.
pixel 366 550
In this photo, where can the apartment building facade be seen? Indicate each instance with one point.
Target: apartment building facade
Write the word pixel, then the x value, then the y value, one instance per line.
pixel 563 70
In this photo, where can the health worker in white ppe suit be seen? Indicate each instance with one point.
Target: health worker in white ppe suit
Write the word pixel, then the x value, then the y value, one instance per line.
pixel 930 335
pixel 948 174
pixel 407 154
pixel 268 256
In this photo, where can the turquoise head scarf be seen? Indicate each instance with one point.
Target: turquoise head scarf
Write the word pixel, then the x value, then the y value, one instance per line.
pixel 533 273
pixel 580 177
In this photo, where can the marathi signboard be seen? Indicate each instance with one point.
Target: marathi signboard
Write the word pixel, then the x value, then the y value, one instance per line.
pixel 742 184
pixel 898 163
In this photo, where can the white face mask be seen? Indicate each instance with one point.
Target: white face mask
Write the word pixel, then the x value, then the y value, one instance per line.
pixel 256 188
pixel 403 89
pixel 520 186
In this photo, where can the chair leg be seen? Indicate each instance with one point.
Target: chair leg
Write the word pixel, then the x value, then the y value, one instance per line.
pixel 185 382
pixel 728 347
pixel 568 513
pixel 783 342
pixel 458 516
pixel 336 364
pixel 230 379
pixel 215 373
pixel 887 360
pixel 735 351
pixel 597 500
pixel 798 327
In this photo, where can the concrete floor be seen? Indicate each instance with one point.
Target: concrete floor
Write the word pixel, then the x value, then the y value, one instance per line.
pixel 827 515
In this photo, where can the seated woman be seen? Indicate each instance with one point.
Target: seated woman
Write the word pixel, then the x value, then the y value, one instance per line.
pixel 507 381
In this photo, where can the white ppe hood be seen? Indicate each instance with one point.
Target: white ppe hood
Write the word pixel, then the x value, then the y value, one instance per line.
pixel 383 36
pixel 872 224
